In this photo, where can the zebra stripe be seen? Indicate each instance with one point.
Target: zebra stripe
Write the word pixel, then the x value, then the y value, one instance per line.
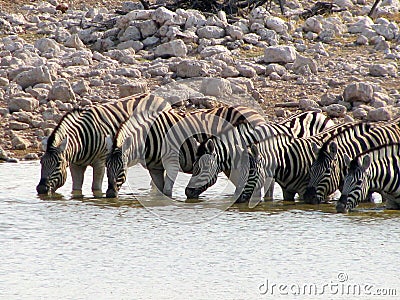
pixel 227 144
pixel 327 171
pixel 79 141
pixel 167 143
pixel 374 170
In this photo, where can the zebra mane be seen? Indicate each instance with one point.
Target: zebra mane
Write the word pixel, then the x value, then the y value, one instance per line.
pixel 59 128
pixel 390 144
pixel 343 130
pixel 117 138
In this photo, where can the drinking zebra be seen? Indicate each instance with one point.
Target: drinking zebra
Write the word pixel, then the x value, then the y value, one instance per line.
pixel 168 143
pixel 375 170
pixel 226 151
pixel 328 170
pixel 78 141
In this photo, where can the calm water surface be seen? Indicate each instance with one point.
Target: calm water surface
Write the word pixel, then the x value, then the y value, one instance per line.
pixel 97 248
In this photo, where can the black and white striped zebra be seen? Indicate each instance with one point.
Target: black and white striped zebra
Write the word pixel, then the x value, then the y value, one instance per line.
pixel 223 152
pixel 328 170
pixel 78 141
pixel 375 170
pixel 168 143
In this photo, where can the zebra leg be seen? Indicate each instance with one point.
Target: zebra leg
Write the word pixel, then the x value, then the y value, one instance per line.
pixel 288 195
pixel 98 175
pixel 390 204
pixel 269 189
pixel 77 174
pixel 157 177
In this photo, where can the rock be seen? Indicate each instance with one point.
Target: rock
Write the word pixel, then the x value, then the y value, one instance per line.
pixel 246 70
pixel 276 24
pixel 379 114
pixel 19 143
pixel 361 25
pixel 335 110
pixel 162 15
pixel 302 61
pixel 275 68
pixel 328 99
pixel 34 76
pixel 279 54
pixel 147 28
pixel 235 32
pixel 4 81
pixel 74 41
pixel 251 38
pixel 173 48
pixel 362 40
pixel 383 70
pixel 192 68
pixel 210 32
pixel 48 47
pixel 15 125
pixel 31 156
pixel 62 90
pixel 214 50
pixel 217 87
pixel 81 87
pixel 312 24
pixel 23 103
pixel 132 33
pixel 132 88
pixel 307 104
pixel 3 154
pixel 359 91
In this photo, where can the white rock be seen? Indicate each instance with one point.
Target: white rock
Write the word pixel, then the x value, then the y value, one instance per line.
pixel 34 76
pixel 62 90
pixel 379 114
pixel 328 99
pixel 211 32
pixel 74 42
pixel 275 68
pixel 335 110
pixel 251 38
pixel 217 87
pixel 172 48
pixel 192 68
pixel 81 87
pixel 279 54
pixel 214 50
pixel 15 125
pixel 4 81
pixel 234 32
pixel 246 70
pixel 302 61
pixel 362 24
pixel 131 33
pixel 132 88
pixel 276 24
pixel 383 70
pixel 162 15
pixel 147 28
pixel 362 40
pixel 46 45
pixel 19 143
pixel 307 104
pixel 312 24
pixel 23 103
pixel 359 91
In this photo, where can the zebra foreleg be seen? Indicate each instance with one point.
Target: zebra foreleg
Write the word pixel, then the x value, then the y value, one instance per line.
pixel 98 175
pixel 77 174
pixel 269 189
pixel 288 195
pixel 157 177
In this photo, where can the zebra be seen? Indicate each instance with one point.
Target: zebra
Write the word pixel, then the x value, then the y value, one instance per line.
pixel 374 170
pixel 157 143
pixel 221 151
pixel 327 171
pixel 78 141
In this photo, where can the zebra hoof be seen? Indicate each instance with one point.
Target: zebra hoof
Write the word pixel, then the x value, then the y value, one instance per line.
pixel 111 193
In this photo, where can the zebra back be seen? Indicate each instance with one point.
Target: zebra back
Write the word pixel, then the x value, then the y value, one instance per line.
pixel 374 170
pixel 328 170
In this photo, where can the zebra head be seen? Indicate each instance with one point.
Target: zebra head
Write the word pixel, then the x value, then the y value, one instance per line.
pixel 117 165
pixel 54 165
pixel 205 170
pixel 321 173
pixel 356 183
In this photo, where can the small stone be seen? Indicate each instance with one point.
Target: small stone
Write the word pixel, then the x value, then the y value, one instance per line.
pixel 15 125
pixel 31 156
pixel 132 88
pixel 62 90
pixel 279 54
pixel 359 91
pixel 335 110
pixel 307 104
pixel 23 103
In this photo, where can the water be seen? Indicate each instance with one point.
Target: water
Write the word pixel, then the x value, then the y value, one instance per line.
pixel 88 248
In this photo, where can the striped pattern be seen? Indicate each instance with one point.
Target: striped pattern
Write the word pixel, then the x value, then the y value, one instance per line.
pixel 167 143
pixel 229 159
pixel 79 141
pixel 375 170
pixel 327 171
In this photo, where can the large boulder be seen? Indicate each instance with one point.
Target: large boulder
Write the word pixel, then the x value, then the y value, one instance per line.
pixel 280 54
pixel 359 91
pixel 34 76
pixel 172 48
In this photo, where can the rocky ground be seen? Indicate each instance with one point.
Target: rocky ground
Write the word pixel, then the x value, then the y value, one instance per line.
pixel 57 55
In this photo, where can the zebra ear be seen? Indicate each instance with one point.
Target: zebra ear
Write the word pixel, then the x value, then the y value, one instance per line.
pixel 333 149
pixel 63 144
pixel 347 160
pixel 210 147
pixel 109 143
pixel 366 162
pixel 127 144
pixel 315 148
pixel 44 143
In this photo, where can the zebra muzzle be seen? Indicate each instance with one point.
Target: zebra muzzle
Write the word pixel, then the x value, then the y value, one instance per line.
pixel 341 205
pixel 192 193
pixel 42 188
